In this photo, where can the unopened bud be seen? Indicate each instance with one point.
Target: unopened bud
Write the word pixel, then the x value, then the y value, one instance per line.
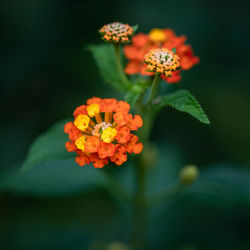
pixel 117 246
pixel 189 174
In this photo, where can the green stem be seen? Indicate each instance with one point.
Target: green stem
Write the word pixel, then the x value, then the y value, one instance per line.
pixel 166 195
pixel 140 201
pixel 154 88
pixel 140 219
pixel 119 65
pixel 117 188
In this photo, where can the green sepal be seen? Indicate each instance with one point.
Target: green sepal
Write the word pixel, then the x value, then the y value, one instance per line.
pixel 174 50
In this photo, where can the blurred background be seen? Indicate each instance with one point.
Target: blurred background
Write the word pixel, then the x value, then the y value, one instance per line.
pixel 46 72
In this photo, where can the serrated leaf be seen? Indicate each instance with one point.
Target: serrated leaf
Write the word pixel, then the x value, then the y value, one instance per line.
pixel 135 27
pixel 183 100
pixel 49 178
pixel 174 50
pixel 48 146
pixel 104 56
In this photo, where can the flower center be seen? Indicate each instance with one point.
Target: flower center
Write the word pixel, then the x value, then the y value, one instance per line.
pixel 163 57
pixel 116 28
pixel 97 130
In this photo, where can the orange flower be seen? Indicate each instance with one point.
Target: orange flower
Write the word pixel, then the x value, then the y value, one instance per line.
pixel 101 132
pixel 73 131
pixel 140 40
pixel 131 52
pixel 122 106
pixel 132 146
pixel 176 77
pixel 108 105
pixel 70 146
pixel 135 123
pixel 123 134
pixel 188 58
pixel 106 150
pixel 82 158
pixel 97 161
pixel 132 68
pixel 81 110
pixel 158 38
pixel 121 118
pixel 120 155
pixel 116 32
pixel 94 100
pixel 91 145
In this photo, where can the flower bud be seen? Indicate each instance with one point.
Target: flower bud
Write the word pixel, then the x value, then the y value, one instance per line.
pixel 189 174
pixel 117 246
pixel 162 61
pixel 116 32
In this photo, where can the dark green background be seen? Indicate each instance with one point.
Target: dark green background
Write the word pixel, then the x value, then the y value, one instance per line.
pixel 46 72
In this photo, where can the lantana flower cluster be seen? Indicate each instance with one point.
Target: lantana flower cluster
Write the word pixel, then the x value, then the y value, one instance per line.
pixel 158 38
pixel 162 61
pixel 102 132
pixel 116 32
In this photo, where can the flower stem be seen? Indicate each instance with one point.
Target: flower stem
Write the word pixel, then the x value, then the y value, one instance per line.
pixel 154 87
pixel 115 187
pixel 176 189
pixel 140 219
pixel 140 199
pixel 119 65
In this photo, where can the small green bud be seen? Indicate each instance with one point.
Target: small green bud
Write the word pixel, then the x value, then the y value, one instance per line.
pixel 117 246
pixel 189 174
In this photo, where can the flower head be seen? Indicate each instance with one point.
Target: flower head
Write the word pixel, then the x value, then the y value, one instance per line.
pixel 158 38
pixel 162 61
pixel 102 132
pixel 116 32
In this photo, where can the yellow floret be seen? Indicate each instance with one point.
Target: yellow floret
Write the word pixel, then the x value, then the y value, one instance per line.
pixel 151 67
pixel 82 122
pixel 93 109
pixel 80 143
pixel 108 134
pixel 157 35
pixel 159 70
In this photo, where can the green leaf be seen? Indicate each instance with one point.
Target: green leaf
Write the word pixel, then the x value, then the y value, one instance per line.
pixel 49 178
pixel 184 101
pixel 135 92
pixel 104 56
pixel 131 98
pixel 135 27
pixel 48 146
pixel 174 50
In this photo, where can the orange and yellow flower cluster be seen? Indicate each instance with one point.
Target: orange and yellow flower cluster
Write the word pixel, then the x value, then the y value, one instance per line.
pixel 116 32
pixel 158 38
pixel 101 132
pixel 162 61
